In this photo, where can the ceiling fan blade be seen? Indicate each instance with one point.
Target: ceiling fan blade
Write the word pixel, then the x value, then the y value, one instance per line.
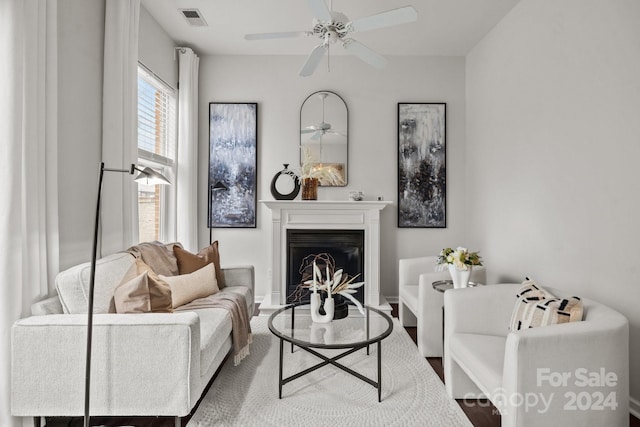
pixel 313 60
pixel 364 53
pixel 336 133
pixel 316 136
pixel 385 19
pixel 303 131
pixel 283 35
pixel 319 10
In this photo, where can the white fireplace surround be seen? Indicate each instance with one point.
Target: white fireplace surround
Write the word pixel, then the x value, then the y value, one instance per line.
pixel 323 215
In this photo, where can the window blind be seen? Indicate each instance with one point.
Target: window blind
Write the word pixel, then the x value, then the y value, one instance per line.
pixel 156 118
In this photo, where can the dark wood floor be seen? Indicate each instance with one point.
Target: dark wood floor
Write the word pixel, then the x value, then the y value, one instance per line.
pixel 481 413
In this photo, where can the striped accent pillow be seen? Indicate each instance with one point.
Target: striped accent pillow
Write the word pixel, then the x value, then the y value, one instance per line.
pixel 537 307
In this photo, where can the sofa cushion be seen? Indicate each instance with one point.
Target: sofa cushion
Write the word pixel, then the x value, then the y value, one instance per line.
pixel 245 291
pixel 142 291
pixel 187 287
pixel 481 357
pixel 188 262
pixel 73 284
pixel 537 307
pixel 215 329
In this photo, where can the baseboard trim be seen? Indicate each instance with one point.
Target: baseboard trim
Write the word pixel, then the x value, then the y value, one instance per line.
pixel 634 407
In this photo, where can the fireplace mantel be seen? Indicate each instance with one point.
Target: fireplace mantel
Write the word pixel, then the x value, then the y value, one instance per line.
pixel 324 215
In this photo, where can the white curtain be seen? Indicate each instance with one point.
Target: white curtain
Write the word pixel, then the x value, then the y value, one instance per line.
pixel 119 212
pixel 28 169
pixel 187 171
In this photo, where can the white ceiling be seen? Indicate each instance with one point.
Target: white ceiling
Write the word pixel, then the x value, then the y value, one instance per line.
pixel 444 27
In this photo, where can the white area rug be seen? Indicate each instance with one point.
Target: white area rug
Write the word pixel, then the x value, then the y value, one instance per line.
pixel 247 395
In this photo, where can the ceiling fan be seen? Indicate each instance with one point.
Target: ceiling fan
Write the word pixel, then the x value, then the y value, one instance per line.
pixel 323 127
pixel 333 27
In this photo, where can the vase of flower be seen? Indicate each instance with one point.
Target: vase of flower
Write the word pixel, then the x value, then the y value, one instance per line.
pixel 459 262
pixel 331 292
pixel 459 276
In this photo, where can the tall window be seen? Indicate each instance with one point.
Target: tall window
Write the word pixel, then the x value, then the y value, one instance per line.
pixel 156 149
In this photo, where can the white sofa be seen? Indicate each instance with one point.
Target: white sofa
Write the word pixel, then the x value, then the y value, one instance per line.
pixel 520 371
pixel 420 305
pixel 151 364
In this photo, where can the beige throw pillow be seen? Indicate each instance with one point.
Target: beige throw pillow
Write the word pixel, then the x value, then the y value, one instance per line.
pixel 188 262
pixel 142 291
pixel 132 296
pixel 187 287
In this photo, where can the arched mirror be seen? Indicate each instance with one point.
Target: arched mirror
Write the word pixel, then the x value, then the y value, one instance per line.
pixel 324 138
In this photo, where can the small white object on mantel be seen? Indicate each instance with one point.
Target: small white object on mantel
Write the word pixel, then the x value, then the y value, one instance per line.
pixel 324 215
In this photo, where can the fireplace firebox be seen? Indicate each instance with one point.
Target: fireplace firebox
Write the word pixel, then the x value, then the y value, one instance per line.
pixel 345 247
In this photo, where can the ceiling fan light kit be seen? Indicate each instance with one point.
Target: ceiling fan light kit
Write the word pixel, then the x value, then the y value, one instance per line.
pixel 333 27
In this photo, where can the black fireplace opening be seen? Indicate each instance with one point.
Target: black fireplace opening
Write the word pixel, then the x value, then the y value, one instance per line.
pixel 345 247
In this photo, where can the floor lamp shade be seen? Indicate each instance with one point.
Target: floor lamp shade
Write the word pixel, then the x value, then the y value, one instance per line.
pixel 152 177
pixel 148 176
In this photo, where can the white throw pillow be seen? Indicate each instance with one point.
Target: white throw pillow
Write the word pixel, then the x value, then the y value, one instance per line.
pixel 187 287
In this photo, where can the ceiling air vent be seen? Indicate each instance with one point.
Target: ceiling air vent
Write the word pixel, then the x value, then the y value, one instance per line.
pixel 193 17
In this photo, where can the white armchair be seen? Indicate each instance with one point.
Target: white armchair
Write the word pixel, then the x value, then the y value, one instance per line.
pixel 571 374
pixel 420 305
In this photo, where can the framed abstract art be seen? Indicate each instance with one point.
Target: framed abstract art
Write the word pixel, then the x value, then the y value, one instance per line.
pixel 233 143
pixel 422 178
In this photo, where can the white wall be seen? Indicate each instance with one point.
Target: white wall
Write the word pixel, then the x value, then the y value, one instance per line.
pixel 371 96
pixel 553 141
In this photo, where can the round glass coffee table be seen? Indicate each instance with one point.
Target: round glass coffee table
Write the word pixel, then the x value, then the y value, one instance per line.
pixel 293 324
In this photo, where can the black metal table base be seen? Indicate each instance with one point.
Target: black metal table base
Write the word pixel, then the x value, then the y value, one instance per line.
pixel 331 361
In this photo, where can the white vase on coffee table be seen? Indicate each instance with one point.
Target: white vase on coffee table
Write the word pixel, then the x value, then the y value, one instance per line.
pixel 459 276
pixel 315 308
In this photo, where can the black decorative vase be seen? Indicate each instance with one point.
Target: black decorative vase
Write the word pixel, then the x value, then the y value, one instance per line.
pixel 341 307
pixel 285 173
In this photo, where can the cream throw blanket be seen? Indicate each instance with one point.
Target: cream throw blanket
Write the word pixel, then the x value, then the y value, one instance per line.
pixel 236 304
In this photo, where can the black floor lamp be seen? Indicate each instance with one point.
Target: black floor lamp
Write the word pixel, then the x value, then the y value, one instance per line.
pixel 147 176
